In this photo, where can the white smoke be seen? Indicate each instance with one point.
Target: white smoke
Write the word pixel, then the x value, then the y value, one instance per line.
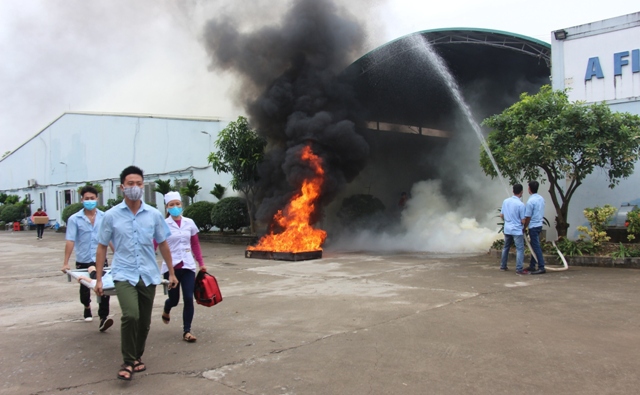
pixel 430 224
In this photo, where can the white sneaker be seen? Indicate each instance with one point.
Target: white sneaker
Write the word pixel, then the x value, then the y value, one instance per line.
pixel 88 317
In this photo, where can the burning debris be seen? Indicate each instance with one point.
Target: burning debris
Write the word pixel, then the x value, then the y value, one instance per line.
pixel 296 96
pixel 295 233
pixel 283 256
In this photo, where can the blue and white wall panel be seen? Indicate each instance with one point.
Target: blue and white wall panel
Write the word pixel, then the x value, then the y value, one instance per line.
pixel 78 148
pixel 600 62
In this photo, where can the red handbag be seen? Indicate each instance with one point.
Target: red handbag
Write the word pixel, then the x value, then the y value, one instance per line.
pixel 206 291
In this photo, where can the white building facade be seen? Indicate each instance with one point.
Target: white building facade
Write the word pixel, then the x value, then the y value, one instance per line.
pixel 600 62
pixel 78 148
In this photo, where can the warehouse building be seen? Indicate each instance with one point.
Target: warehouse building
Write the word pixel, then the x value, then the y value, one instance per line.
pixel 77 148
pixel 600 62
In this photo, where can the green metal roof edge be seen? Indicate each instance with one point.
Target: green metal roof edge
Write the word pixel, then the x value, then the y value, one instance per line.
pixel 451 29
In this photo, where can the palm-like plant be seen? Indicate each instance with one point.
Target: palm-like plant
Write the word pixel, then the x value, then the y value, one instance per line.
pixel 191 189
pixel 163 186
pixel 218 191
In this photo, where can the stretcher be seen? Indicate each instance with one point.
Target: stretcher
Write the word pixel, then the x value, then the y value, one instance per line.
pixel 108 287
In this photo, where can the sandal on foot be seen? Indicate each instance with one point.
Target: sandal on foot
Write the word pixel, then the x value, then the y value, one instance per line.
pixel 139 366
pixel 188 337
pixel 127 370
pixel 166 318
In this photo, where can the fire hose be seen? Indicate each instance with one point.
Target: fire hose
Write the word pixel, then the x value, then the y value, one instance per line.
pixel 553 269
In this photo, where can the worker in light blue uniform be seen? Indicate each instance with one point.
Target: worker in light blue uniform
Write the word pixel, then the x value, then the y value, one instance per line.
pixel 512 212
pixel 534 217
pixel 132 226
pixel 82 236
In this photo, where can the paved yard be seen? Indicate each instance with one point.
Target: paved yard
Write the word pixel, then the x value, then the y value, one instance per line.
pixel 351 323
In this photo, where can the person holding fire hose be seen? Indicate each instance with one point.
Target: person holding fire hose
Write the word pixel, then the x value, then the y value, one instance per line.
pixel 534 217
pixel 512 212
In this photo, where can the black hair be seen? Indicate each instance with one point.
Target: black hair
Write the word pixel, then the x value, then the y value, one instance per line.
pixel 88 188
pixel 533 185
pixel 130 170
pixel 517 189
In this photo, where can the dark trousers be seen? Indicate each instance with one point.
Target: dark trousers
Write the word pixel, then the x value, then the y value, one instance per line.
pixel 186 281
pixel 40 229
pixel 534 235
pixel 85 293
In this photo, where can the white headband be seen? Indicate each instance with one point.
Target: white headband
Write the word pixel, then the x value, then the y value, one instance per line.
pixel 171 196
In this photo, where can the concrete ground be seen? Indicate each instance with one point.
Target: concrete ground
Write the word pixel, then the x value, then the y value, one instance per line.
pixel 351 323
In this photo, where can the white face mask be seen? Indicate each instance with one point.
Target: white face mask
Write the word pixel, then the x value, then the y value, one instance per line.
pixel 133 193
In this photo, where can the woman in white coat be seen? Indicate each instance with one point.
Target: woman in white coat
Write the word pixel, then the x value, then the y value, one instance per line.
pixel 185 252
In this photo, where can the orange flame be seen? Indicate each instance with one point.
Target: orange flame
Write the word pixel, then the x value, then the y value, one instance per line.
pixel 298 234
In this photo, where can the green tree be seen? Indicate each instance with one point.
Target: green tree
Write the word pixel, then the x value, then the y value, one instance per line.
pixel 12 213
pixel 218 191
pixel 113 202
pixel 230 213
pixel 545 134
pixel 70 210
pixel 3 197
pixel 240 150
pixel 191 189
pixel 26 206
pixel 12 199
pixel 163 186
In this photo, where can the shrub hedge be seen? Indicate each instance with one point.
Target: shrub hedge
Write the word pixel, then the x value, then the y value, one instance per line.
pixel 200 213
pixel 230 213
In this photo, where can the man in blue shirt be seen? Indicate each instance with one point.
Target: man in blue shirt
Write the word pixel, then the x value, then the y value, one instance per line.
pixel 132 226
pixel 534 216
pixel 82 235
pixel 512 213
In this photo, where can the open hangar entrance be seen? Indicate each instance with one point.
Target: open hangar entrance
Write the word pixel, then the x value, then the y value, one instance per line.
pixel 415 128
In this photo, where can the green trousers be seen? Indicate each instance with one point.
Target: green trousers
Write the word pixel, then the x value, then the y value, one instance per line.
pixel 136 304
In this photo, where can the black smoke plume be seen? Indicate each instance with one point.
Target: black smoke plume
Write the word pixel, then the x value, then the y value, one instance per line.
pixel 295 93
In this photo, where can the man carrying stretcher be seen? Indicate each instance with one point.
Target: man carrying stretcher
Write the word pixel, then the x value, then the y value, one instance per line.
pixel 82 235
pixel 132 226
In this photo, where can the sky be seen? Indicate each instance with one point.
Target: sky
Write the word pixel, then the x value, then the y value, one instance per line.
pixel 147 57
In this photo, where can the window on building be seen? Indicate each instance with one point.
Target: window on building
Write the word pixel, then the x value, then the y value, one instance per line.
pixel 43 201
pixel 68 197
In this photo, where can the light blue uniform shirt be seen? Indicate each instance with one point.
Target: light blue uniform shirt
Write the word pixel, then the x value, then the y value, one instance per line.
pixel 535 210
pixel 84 235
pixel 132 238
pixel 513 212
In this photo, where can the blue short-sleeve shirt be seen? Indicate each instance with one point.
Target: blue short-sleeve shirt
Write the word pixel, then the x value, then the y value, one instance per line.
pixel 132 237
pixel 535 210
pixel 513 212
pixel 84 235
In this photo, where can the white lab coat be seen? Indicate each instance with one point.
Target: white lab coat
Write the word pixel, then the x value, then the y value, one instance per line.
pixel 180 243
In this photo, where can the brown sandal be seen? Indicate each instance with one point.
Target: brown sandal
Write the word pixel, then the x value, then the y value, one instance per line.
pixel 188 337
pixel 127 369
pixel 166 318
pixel 139 366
